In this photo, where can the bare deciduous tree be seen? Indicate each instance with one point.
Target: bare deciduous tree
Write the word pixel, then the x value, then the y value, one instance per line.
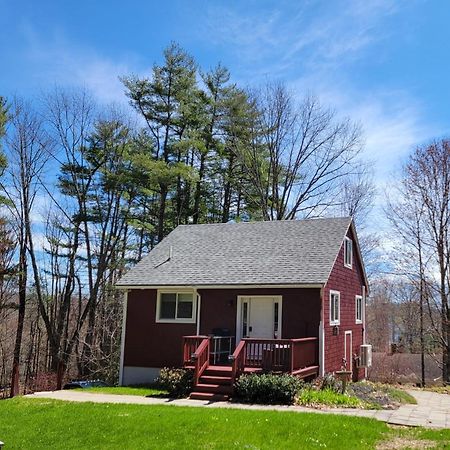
pixel 298 154
pixel 421 216
pixel 27 148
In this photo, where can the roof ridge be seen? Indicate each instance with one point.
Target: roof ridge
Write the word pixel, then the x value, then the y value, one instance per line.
pixel 267 221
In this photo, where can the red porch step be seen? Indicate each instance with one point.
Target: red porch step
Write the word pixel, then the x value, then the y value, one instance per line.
pixel 214 388
pixel 216 384
pixel 208 396
pixel 211 379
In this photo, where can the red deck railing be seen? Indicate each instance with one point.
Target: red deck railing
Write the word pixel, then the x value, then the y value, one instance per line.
pixel 190 345
pixel 297 356
pixel 196 352
pixel 238 360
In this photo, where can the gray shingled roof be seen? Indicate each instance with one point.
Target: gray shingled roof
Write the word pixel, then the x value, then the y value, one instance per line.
pixel 261 253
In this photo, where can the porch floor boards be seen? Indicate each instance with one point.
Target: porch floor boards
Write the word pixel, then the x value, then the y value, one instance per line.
pixel 228 368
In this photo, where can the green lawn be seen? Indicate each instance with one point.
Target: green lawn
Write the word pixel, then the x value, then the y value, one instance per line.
pixel 140 390
pixel 43 424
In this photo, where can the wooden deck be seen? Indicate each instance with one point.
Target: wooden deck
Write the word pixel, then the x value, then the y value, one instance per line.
pixel 215 382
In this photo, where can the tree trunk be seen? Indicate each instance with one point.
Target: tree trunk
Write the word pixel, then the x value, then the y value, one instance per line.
pixel 162 212
pixel 198 189
pixel 15 377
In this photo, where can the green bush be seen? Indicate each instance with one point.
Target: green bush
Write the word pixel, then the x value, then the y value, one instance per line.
pixel 267 388
pixel 178 382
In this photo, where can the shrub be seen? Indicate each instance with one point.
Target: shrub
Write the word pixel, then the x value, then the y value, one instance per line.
pixel 178 382
pixel 267 388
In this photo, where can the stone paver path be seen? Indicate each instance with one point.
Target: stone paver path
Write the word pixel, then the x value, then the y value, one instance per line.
pixel 432 409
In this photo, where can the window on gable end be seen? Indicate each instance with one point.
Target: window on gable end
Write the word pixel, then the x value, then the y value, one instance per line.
pixel 348 252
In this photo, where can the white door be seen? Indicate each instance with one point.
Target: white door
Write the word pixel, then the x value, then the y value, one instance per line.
pixel 260 317
pixel 348 349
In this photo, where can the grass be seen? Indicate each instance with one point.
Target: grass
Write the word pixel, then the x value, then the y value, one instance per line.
pixel 42 424
pixel 327 397
pixel 400 395
pixel 439 389
pixel 139 390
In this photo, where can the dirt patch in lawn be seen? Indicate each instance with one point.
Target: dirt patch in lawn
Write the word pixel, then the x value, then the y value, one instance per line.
pixel 397 443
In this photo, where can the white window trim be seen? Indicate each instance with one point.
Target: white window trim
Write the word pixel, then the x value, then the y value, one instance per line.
pixel 338 321
pixel 358 297
pixel 349 266
pixel 176 291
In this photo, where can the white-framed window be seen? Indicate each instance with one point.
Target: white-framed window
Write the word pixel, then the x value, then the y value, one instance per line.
pixel 335 308
pixel 358 309
pixel 176 306
pixel 348 252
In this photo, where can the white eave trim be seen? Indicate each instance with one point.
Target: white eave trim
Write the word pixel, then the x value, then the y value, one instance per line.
pixel 122 342
pixel 222 286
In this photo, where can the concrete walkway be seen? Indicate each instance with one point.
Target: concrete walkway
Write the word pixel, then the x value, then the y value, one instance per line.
pixel 432 409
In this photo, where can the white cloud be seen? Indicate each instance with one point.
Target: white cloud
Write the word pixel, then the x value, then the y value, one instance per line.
pixel 58 61
pixel 314 34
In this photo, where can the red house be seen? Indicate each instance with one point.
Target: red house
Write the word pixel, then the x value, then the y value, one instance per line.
pixel 223 299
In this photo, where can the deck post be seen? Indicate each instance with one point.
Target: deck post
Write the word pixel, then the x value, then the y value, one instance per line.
pixel 292 355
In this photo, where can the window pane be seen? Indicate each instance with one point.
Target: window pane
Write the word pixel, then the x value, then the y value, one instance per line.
pixel 168 306
pixel 244 319
pixel 358 308
pixel 348 252
pixel 185 306
pixel 334 307
pixel 275 319
pixel 185 298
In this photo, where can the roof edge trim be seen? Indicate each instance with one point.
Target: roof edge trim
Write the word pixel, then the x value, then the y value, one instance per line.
pixel 220 286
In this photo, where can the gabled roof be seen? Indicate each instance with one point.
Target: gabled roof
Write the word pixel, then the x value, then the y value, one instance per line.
pixel 296 252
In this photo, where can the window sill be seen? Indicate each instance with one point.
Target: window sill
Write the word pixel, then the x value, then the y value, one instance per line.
pixel 358 322
pixel 348 266
pixel 333 324
pixel 175 321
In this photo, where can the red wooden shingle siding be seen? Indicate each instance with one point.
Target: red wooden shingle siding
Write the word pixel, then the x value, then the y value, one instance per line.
pixel 151 344
pixel 300 309
pixel 349 282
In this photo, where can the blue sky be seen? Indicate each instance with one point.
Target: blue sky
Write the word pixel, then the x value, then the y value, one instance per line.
pixel 383 63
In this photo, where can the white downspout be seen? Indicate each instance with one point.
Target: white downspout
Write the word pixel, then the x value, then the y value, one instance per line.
pixel 199 305
pixel 321 337
pixel 122 343
pixel 363 306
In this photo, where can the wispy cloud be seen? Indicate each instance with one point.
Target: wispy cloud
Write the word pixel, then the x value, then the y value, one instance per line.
pixel 314 47
pixel 313 34
pixel 59 61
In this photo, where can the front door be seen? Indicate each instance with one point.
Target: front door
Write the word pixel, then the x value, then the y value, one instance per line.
pixel 260 317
